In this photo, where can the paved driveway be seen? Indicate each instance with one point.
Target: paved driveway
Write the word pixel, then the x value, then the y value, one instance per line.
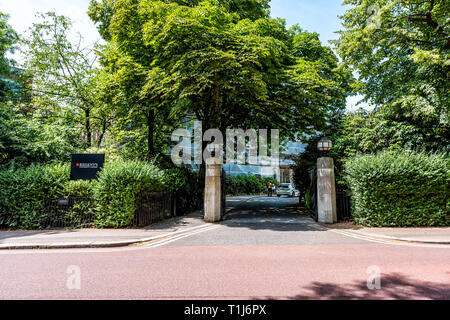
pixel 265 220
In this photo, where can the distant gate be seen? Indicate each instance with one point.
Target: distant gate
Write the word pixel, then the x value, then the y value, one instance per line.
pixel 313 194
pixel 223 197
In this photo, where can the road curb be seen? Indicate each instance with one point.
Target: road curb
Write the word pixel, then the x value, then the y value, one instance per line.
pixel 385 238
pixel 95 244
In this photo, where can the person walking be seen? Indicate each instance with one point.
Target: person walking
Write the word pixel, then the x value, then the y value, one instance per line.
pixel 269 189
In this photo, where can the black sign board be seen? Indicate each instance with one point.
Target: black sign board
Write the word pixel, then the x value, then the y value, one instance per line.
pixel 86 166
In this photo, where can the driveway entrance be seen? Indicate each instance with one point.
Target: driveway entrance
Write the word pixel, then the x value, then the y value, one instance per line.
pixel 263 209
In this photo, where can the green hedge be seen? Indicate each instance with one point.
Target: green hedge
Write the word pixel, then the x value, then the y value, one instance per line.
pixel 23 191
pixel 185 183
pixel 247 184
pixel 404 189
pixel 116 189
pixel 111 197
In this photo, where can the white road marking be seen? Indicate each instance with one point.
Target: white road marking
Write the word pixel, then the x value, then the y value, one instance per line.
pixel 391 242
pixel 167 237
pixel 175 238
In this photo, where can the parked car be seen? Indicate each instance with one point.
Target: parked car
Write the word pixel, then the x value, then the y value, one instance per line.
pixel 287 189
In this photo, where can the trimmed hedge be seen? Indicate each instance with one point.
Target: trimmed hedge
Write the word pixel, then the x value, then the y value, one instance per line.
pixel 116 189
pixel 23 191
pixel 248 185
pixel 404 189
pixel 111 198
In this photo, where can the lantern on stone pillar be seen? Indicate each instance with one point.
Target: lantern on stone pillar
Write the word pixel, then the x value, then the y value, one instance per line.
pixel 324 144
pixel 326 188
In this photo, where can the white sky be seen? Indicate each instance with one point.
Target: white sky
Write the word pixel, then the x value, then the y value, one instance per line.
pixel 22 15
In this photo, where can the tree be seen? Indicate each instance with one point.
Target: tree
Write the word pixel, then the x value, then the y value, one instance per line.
pixel 365 132
pixel 322 83
pixel 373 131
pixel 127 60
pixel 8 38
pixel 304 162
pixel 227 64
pixel 25 140
pixel 240 73
pixel 400 49
pixel 102 11
pixel 63 73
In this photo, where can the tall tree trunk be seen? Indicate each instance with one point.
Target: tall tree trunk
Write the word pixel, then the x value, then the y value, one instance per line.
pixel 207 124
pixel 216 114
pixel 88 127
pixel 102 134
pixel 151 129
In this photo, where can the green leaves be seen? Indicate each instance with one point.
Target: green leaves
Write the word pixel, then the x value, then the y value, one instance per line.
pixel 247 184
pixel 111 198
pixel 402 62
pixel 386 128
pixel 118 184
pixel 22 194
pixel 8 40
pixel 24 141
pixel 63 72
pixel 403 189
pixel 225 62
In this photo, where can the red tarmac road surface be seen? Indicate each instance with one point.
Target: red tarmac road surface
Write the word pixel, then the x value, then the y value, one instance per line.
pixel 263 251
pixel 320 271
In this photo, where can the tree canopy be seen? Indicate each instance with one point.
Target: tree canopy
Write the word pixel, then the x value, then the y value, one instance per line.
pixel 400 51
pixel 65 78
pixel 225 62
pixel 8 39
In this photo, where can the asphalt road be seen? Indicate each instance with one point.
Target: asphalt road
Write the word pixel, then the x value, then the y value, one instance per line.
pixel 265 249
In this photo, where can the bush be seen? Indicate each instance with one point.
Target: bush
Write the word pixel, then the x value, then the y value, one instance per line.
pixel 186 184
pixel 405 189
pixel 248 185
pixel 118 184
pixel 79 188
pixel 83 205
pixel 23 191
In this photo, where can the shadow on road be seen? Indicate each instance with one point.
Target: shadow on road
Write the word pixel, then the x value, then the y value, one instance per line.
pixel 191 219
pixel 393 286
pixel 269 213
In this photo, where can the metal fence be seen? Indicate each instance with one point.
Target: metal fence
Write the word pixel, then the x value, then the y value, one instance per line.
pixel 153 207
pixel 223 195
pixel 313 194
pixel 73 212
pixel 80 212
pixel 344 212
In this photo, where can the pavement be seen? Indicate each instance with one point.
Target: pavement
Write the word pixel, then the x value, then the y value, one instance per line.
pixel 258 209
pixel 101 238
pixel 431 235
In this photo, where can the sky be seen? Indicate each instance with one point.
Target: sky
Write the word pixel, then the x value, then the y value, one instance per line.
pixel 319 16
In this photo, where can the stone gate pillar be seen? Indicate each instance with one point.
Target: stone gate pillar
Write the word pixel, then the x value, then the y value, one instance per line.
pixel 326 191
pixel 213 192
